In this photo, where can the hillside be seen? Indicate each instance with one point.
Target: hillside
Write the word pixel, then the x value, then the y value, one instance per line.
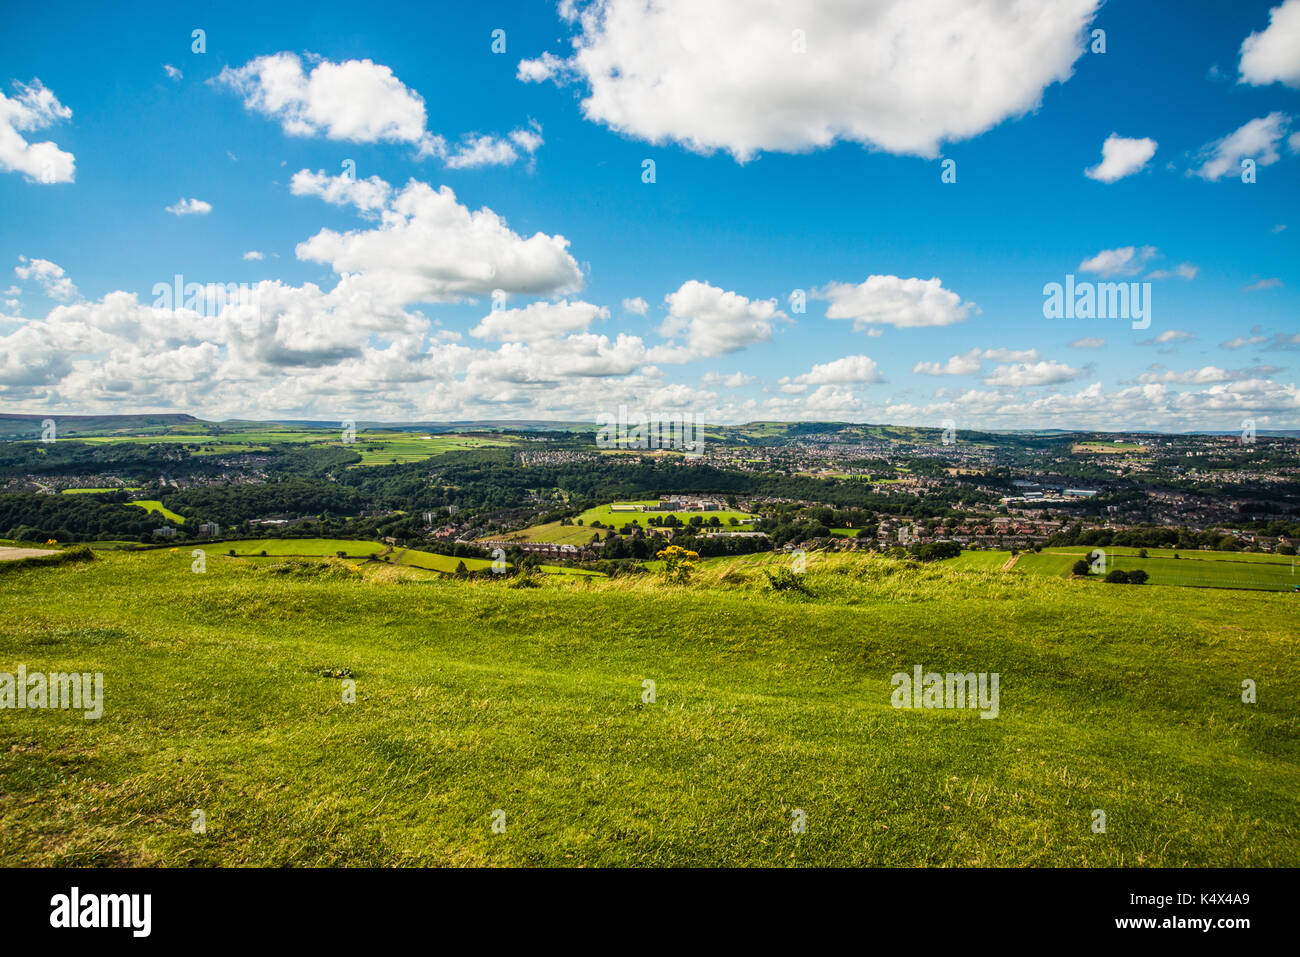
pixel 223 693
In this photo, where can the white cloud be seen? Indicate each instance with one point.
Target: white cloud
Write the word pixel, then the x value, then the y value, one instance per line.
pixel 429 248
pixel 1257 140
pixel 1273 56
pixel 253 255
pixel 1207 375
pixel 1181 271
pixel 1168 338
pixel 894 301
pixel 970 362
pixel 359 101
pixel 714 321
pixel 1088 342
pixel 1273 283
pixel 1121 157
pixel 735 380
pixel 1124 261
pixel 538 320
pixel 368 195
pixel 637 306
pixel 898 75
pixel 1019 374
pixel 190 207
pixel 34 108
pixel 172 71
pixel 49 275
pixel 850 370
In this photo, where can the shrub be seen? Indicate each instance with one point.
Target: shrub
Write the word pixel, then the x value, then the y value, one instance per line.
pixel 1117 577
pixel 678 563
pixel 785 580
pixel 1081 567
pixel 1137 577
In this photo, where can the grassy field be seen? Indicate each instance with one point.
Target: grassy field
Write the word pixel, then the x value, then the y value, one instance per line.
pixel 224 692
pixel 375 448
pixel 575 534
pixel 1209 569
pixel 351 548
pixel 402 447
pixel 153 505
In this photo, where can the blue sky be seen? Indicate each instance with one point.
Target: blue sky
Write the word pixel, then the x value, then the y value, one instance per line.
pixel 776 169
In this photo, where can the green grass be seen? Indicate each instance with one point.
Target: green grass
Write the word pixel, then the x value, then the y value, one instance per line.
pixel 402 447
pixel 152 505
pixel 1209 569
pixel 473 696
pixel 575 534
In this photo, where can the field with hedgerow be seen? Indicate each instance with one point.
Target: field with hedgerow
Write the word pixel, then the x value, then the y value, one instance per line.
pixel 741 718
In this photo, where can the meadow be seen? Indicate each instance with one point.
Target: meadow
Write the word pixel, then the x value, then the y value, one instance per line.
pixel 153 505
pixel 575 534
pixel 374 447
pixel 1203 569
pixel 224 692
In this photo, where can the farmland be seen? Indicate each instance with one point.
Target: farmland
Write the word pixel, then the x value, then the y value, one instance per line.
pixel 152 505
pixel 472 697
pixel 583 527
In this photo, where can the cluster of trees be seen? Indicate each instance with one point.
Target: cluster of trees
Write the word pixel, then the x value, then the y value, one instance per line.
pixel 66 518
pixel 229 505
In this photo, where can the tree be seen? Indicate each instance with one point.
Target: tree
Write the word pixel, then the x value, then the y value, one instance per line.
pixel 1117 577
pixel 1137 577
pixel 1081 567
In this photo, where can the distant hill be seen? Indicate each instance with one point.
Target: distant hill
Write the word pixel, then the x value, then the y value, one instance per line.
pixel 69 426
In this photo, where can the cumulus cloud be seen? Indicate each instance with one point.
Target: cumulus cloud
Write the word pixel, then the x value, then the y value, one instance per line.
pixel 972 361
pixel 190 207
pixel 1257 140
pixel 49 275
pixel 368 195
pixel 1088 342
pixel 746 76
pixel 1208 375
pixel 850 370
pixel 1273 55
pixel 478 150
pixel 360 101
pixel 253 255
pixel 1120 157
pixel 714 321
pixel 636 306
pixel 1019 374
pixel 1124 261
pixel 172 71
pixel 894 301
pixel 538 320
pixel 33 108
pixel 428 247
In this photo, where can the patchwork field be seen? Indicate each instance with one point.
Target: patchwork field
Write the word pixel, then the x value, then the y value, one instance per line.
pixel 153 505
pixel 1207 569
pixel 575 534
pixel 375 448
pixel 224 692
